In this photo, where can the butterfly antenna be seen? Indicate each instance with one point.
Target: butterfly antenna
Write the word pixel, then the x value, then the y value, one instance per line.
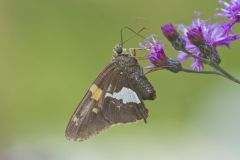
pixel 135 34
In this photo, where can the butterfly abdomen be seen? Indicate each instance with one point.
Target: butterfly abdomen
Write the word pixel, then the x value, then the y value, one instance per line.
pixel 144 87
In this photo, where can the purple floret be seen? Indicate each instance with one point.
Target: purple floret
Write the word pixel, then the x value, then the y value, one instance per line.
pixel 231 10
pixel 156 54
pixel 195 35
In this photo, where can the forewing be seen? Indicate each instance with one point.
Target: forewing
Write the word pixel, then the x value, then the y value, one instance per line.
pixel 87 118
pixel 110 100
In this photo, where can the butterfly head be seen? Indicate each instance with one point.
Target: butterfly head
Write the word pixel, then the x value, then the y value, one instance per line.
pixel 118 49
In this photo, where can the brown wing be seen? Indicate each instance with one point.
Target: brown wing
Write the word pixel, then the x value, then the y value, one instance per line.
pixel 80 125
pixel 97 111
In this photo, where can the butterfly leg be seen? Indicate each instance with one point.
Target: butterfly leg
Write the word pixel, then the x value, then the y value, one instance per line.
pixel 153 70
pixel 133 52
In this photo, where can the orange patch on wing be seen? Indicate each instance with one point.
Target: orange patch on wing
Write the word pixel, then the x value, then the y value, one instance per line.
pixel 95 110
pixel 96 92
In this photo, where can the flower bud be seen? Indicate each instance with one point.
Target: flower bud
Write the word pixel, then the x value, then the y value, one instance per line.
pixel 169 32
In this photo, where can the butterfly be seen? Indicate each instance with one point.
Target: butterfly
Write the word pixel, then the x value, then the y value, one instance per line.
pixel 115 97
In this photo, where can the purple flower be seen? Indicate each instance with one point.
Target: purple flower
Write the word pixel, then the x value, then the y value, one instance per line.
pixel 213 34
pixel 156 54
pixel 169 32
pixel 231 11
pixel 182 56
pixel 201 31
pixel 197 65
pixel 195 36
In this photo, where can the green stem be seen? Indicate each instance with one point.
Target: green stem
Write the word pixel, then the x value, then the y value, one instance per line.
pixel 201 72
pixel 219 70
pixel 225 73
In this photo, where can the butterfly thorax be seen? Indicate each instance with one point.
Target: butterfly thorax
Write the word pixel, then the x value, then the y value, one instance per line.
pixel 129 66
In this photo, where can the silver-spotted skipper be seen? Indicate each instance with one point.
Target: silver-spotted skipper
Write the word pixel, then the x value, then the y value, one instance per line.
pixel 115 97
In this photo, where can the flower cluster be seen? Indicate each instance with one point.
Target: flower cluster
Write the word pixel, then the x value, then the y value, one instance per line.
pixel 201 34
pixel 198 40
pixel 231 11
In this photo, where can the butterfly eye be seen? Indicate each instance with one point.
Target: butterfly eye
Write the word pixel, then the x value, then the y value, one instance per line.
pixel 118 49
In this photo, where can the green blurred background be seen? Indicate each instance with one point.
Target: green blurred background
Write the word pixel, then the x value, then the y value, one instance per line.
pixel 51 51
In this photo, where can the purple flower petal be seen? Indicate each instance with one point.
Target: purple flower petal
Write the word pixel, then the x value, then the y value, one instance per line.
pixel 226 41
pixel 182 56
pixel 197 65
pixel 231 10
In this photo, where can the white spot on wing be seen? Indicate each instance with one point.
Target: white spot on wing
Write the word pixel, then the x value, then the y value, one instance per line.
pixel 75 120
pixel 126 95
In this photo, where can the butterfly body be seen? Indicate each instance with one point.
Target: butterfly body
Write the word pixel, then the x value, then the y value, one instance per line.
pixel 129 65
pixel 115 97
